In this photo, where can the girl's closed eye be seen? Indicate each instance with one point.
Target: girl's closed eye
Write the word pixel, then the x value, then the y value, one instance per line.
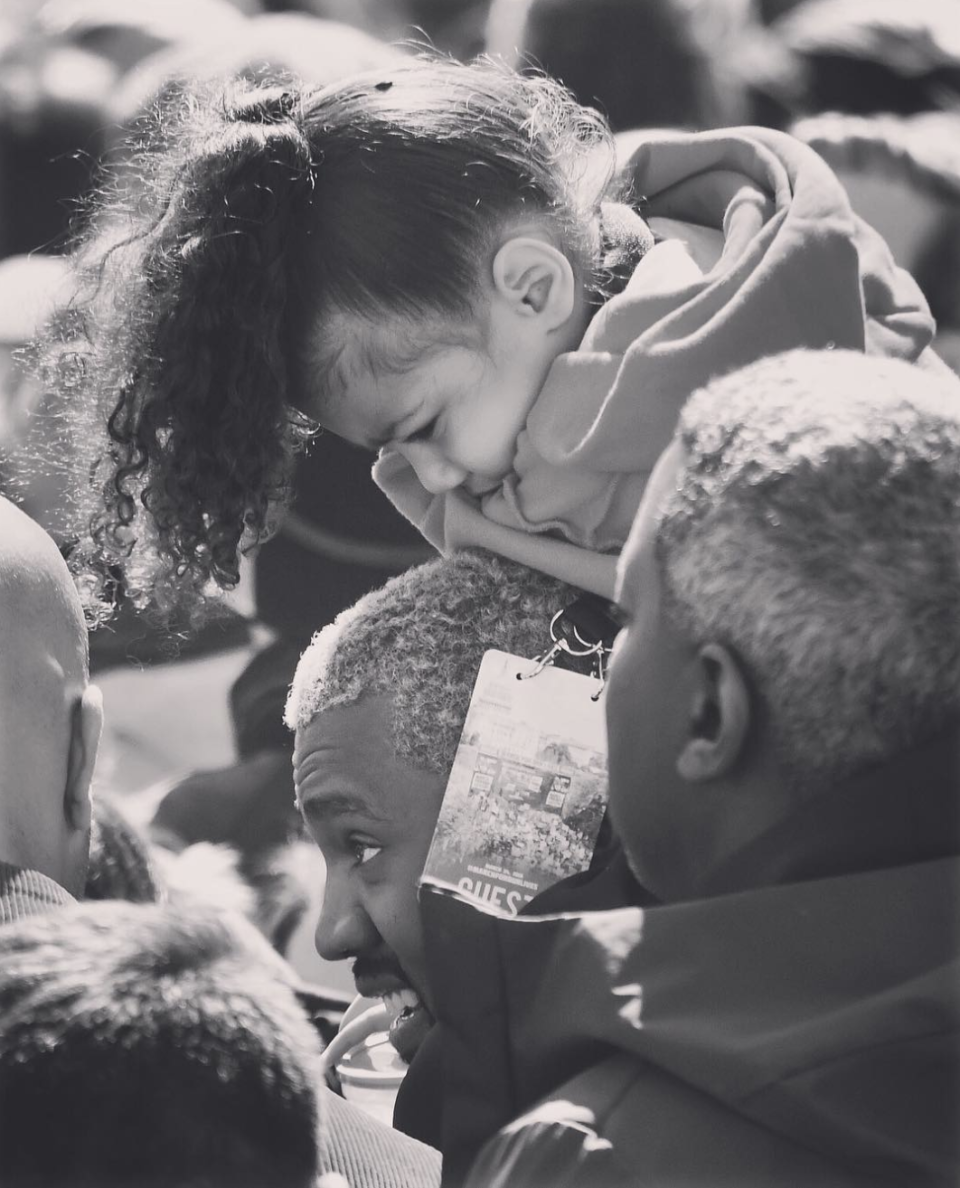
pixel 424 433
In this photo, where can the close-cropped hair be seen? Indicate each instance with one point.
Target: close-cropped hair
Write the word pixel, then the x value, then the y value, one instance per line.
pixel 419 640
pixel 210 296
pixel 815 530
pixel 141 1047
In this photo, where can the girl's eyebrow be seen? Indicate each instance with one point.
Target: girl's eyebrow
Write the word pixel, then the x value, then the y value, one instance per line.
pixel 384 438
pixel 392 432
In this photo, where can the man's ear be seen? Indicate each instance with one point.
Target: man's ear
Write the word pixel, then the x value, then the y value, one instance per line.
pixel 536 279
pixel 720 716
pixel 86 725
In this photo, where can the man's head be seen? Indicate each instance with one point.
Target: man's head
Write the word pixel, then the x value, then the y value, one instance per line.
pixel 142 1046
pixel 50 717
pixel 790 589
pixel 378 704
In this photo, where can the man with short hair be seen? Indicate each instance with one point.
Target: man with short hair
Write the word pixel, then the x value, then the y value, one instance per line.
pixel 378 704
pixel 794 581
pixel 783 713
pixel 50 723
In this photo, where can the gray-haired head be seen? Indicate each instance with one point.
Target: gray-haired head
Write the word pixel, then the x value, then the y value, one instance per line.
pixel 815 530
pixel 419 640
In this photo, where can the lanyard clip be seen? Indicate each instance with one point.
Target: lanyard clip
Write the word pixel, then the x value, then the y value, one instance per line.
pixel 583 630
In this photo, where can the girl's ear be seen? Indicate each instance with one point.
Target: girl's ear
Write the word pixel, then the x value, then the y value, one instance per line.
pixel 536 279
pixel 720 717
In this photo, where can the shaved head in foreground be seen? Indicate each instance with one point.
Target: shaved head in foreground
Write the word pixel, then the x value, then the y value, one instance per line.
pixel 50 716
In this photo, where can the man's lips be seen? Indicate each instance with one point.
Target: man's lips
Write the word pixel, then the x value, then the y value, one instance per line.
pixel 409 1028
pixel 401 1001
pixel 381 976
pixel 379 985
pixel 398 996
pixel 409 1018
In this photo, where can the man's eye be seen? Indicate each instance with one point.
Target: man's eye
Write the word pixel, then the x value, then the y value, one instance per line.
pixel 364 851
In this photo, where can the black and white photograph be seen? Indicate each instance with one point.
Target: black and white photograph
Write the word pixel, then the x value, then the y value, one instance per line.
pixel 479 593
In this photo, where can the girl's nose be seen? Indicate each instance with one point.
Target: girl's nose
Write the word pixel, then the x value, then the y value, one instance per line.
pixel 436 472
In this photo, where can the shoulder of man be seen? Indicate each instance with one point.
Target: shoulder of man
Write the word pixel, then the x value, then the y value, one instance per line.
pixel 369 1154
pixel 563 1142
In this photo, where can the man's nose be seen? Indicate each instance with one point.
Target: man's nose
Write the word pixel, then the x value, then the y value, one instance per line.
pixel 435 471
pixel 343 929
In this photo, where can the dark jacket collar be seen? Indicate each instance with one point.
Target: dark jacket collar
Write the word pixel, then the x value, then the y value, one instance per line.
pixel 903 811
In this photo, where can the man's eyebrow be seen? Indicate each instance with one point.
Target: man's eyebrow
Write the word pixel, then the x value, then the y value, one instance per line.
pixel 335 804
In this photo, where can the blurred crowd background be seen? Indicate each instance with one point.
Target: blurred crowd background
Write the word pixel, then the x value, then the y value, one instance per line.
pixel 196 750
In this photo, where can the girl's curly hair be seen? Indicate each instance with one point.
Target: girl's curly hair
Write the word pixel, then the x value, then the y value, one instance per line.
pixel 204 312
pixel 171 360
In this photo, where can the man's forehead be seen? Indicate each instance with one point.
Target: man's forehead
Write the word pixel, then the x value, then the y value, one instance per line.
pixel 365 719
pixel 343 753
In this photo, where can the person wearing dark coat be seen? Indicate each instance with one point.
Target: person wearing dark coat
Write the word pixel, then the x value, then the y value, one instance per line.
pixel 783 711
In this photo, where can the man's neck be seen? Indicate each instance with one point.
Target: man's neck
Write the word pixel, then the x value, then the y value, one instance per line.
pixel 897 813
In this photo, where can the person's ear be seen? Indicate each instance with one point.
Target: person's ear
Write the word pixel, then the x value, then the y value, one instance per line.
pixel 86 726
pixel 536 279
pixel 720 716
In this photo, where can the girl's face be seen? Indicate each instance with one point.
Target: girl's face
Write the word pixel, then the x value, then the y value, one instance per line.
pixel 456 410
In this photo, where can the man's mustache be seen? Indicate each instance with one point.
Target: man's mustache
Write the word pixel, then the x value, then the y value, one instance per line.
pixel 379 965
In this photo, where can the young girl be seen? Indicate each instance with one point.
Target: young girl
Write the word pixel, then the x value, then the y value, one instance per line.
pixel 435 261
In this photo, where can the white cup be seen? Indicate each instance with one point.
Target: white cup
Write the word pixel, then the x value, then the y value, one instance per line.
pixel 370 1075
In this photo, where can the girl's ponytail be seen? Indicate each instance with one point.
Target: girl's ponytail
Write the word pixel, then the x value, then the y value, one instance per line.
pixel 220 288
pixel 187 350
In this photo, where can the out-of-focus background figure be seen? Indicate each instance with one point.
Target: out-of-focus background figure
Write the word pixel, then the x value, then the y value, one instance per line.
pixel 167 1044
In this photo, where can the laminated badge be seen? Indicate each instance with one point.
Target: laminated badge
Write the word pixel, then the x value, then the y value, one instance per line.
pixel 528 786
